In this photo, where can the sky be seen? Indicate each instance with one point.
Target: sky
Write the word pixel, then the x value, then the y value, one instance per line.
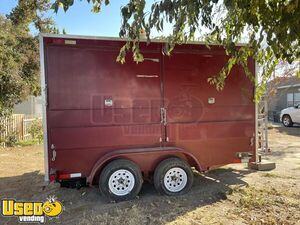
pixel 80 20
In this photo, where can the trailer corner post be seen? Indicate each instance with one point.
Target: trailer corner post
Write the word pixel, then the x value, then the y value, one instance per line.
pixel 256 113
pixel 44 105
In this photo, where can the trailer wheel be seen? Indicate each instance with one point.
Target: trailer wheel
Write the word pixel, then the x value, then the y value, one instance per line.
pixel 120 180
pixel 173 176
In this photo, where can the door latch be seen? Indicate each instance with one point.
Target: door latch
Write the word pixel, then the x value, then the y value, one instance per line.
pixel 53 152
pixel 252 140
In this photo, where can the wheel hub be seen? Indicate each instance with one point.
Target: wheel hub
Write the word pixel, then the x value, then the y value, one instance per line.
pixel 286 121
pixel 121 182
pixel 175 179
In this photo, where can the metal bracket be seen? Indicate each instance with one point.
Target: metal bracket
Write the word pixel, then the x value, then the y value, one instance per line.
pixel 45 90
pixel 152 59
pixel 163 116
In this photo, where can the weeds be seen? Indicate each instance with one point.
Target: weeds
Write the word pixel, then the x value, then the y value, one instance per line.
pixel 273 175
pixel 28 142
pixel 36 130
pixel 11 139
pixel 221 170
pixel 252 198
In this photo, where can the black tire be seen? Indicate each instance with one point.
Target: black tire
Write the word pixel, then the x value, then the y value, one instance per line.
pixel 115 167
pixel 287 121
pixel 166 166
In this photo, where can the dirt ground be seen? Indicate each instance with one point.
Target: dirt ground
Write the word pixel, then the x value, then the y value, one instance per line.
pixel 229 195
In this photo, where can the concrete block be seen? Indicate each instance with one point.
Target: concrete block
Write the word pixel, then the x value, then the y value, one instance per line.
pixel 263 165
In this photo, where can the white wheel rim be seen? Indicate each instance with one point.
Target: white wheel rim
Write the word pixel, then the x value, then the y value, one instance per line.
pixel 121 182
pixel 175 179
pixel 286 121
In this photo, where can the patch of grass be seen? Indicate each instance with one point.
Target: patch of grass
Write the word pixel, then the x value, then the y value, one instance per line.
pixel 264 205
pixel 274 175
pixel 28 142
pixel 221 170
pixel 253 198
pixel 271 175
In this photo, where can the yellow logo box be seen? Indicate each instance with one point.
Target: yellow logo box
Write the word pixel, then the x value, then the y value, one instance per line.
pixel 13 208
pixel 31 211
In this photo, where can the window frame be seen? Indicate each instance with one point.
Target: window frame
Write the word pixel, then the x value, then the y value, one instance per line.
pixel 289 101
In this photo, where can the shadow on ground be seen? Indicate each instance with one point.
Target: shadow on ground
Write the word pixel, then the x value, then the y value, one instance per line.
pixel 86 206
pixel 295 130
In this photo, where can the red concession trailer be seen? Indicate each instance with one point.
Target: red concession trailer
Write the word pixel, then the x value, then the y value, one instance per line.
pixel 115 125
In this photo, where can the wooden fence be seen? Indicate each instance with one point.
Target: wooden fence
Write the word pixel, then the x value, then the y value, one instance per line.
pixel 17 125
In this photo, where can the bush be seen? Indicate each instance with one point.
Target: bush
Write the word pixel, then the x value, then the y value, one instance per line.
pixel 11 139
pixel 36 130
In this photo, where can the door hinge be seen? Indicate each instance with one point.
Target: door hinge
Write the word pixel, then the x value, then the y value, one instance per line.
pixel 163 116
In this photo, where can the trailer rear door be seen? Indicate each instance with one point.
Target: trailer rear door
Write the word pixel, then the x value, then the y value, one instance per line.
pixel 96 104
pixel 215 125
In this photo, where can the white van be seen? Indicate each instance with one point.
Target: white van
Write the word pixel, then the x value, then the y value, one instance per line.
pixel 290 116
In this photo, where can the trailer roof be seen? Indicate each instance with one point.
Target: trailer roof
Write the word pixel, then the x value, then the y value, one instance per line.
pixel 104 38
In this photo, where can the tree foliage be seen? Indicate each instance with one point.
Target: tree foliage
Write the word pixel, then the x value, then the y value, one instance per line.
pixel 271 29
pixel 19 52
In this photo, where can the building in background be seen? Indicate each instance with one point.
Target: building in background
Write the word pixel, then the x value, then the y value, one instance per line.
pixel 32 106
pixel 283 92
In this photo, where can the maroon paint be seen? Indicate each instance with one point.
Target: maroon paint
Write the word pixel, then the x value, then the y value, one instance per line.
pixel 87 133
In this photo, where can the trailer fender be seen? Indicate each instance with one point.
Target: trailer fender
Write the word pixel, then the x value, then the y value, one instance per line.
pixel 126 153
